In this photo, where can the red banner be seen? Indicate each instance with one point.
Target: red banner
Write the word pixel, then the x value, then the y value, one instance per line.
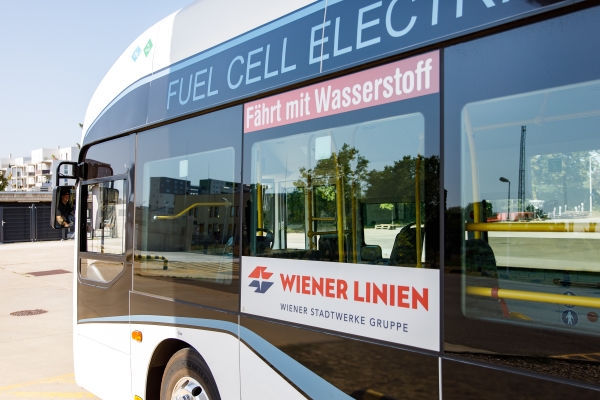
pixel 401 80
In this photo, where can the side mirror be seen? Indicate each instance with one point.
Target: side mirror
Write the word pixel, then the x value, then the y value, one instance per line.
pixel 62 213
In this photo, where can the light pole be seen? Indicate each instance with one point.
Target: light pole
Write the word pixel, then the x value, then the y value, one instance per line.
pixel 503 179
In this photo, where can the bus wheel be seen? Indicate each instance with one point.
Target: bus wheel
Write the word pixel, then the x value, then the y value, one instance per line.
pixel 188 377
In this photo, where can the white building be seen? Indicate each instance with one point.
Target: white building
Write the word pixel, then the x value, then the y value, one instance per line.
pixel 40 155
pixel 36 173
pixel 5 161
pixel 5 164
pixel 18 172
pixel 68 153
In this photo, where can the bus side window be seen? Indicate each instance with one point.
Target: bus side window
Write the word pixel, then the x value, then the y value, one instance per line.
pixel 347 194
pixel 188 187
pixel 529 212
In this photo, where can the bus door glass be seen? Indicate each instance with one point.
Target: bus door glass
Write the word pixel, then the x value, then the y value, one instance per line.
pixel 530 175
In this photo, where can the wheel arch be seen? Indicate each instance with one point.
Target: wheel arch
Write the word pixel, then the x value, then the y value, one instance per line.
pixel 160 357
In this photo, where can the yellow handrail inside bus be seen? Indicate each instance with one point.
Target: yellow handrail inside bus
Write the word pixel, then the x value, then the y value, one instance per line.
pixel 309 212
pixel 354 227
pixel 474 172
pixel 588 227
pixel 339 205
pixel 259 209
pixel 537 297
pixel 418 209
pixel 181 214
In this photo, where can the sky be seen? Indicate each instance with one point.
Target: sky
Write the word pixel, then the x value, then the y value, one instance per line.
pixel 53 56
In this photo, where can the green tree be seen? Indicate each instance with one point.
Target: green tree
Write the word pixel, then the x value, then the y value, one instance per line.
pixel 77 144
pixel 352 168
pixel 295 207
pixel 396 184
pixel 4 180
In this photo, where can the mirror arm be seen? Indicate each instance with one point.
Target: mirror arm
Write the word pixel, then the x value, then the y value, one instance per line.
pixel 79 171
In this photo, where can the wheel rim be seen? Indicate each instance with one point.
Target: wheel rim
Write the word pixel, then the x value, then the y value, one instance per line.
pixel 186 387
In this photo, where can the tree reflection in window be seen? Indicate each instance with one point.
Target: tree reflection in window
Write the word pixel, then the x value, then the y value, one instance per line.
pixel 358 204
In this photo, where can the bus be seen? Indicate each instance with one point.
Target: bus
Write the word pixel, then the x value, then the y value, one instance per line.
pixel 343 199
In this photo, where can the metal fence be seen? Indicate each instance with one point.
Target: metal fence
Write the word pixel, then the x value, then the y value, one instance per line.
pixel 28 224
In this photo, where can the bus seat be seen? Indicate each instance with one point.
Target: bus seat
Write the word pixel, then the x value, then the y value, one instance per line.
pixel 370 253
pixel 479 258
pixel 328 245
pixel 297 254
pixel 404 251
pixel 264 243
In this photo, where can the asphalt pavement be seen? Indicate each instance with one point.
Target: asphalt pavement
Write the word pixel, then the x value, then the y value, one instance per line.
pixel 36 350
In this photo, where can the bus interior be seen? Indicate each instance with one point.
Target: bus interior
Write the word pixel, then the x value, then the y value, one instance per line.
pixel 353 194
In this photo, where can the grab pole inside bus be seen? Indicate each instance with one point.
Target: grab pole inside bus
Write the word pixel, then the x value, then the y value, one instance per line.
pixel 474 174
pixel 339 198
pixel 418 209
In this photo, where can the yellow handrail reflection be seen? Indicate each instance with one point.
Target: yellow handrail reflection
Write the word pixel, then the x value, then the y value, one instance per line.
pixel 588 227
pixel 181 214
pixel 537 297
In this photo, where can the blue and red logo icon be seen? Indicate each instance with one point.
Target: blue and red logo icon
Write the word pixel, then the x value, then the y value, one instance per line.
pixel 261 285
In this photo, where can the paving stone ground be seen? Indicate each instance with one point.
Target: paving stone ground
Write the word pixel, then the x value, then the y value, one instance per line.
pixel 36 351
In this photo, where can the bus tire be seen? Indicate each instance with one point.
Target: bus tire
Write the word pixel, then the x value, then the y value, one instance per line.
pixel 185 372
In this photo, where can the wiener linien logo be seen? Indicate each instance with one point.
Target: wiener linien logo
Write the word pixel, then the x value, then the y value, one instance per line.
pixel 260 282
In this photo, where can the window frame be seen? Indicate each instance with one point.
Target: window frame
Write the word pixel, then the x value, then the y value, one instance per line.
pixel 229 121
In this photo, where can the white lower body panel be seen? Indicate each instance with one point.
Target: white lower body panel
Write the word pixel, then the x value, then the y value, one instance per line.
pixel 248 369
pixel 260 381
pixel 102 370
